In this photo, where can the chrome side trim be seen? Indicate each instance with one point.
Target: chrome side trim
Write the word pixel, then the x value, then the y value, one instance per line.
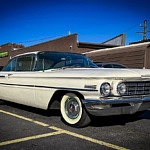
pixel 50 87
pixel 2 76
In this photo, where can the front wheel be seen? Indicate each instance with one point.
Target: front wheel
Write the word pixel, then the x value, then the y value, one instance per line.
pixel 72 111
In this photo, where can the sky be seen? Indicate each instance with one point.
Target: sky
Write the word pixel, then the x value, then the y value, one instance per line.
pixel 30 22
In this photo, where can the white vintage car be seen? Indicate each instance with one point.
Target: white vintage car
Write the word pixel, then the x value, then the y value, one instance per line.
pixel 44 79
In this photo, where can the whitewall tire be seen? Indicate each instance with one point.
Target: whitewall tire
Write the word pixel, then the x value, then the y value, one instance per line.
pixel 72 111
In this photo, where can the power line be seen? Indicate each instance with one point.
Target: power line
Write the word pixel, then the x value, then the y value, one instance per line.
pixel 37 40
pixel 130 28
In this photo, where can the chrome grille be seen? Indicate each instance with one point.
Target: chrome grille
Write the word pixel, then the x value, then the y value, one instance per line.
pixel 137 88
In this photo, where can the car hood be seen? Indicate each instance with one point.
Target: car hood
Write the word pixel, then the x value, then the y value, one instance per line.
pixel 101 73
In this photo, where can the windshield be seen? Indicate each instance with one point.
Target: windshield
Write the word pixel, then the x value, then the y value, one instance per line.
pixel 54 60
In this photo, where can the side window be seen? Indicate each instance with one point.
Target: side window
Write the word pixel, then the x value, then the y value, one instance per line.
pixel 25 63
pixel 44 62
pixel 11 66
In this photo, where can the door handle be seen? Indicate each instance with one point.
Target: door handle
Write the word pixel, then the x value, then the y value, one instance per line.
pixel 10 74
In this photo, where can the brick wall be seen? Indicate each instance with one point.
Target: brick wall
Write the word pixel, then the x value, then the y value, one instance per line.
pixel 65 44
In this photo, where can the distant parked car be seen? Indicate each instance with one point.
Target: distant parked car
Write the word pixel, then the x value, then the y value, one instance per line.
pixel 109 65
pixel 76 84
pixel 1 67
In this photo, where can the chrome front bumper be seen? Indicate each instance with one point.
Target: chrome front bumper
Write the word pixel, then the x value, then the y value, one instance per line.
pixel 117 105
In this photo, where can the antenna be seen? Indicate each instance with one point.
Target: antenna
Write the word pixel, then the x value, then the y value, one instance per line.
pixel 145 30
pixel 69 33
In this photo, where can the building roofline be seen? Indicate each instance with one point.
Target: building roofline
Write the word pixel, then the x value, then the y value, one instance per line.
pixel 60 37
pixel 94 45
pixel 147 44
pixel 9 43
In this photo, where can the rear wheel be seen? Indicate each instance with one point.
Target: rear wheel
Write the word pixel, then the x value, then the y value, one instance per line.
pixel 72 111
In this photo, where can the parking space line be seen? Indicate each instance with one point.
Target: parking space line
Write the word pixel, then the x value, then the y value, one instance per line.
pixel 89 139
pixel 24 118
pixel 30 138
pixel 59 131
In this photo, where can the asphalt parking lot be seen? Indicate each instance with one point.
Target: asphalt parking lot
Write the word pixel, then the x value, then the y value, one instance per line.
pixel 26 128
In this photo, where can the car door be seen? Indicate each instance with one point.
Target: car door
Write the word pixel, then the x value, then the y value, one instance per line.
pixel 16 80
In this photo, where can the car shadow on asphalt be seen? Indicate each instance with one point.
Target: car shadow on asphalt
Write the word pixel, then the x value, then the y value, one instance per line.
pixel 95 121
pixel 118 120
pixel 52 112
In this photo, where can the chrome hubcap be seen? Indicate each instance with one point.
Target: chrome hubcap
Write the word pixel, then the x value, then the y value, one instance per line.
pixel 72 108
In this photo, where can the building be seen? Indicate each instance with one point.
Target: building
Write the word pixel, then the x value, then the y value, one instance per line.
pixel 136 55
pixel 66 44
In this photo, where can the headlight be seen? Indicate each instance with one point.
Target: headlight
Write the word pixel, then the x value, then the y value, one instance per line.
pixel 121 88
pixel 105 89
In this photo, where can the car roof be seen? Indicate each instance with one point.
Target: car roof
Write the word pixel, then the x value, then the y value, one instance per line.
pixel 36 52
pixel 26 54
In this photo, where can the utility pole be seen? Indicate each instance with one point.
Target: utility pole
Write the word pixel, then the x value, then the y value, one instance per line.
pixel 145 30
